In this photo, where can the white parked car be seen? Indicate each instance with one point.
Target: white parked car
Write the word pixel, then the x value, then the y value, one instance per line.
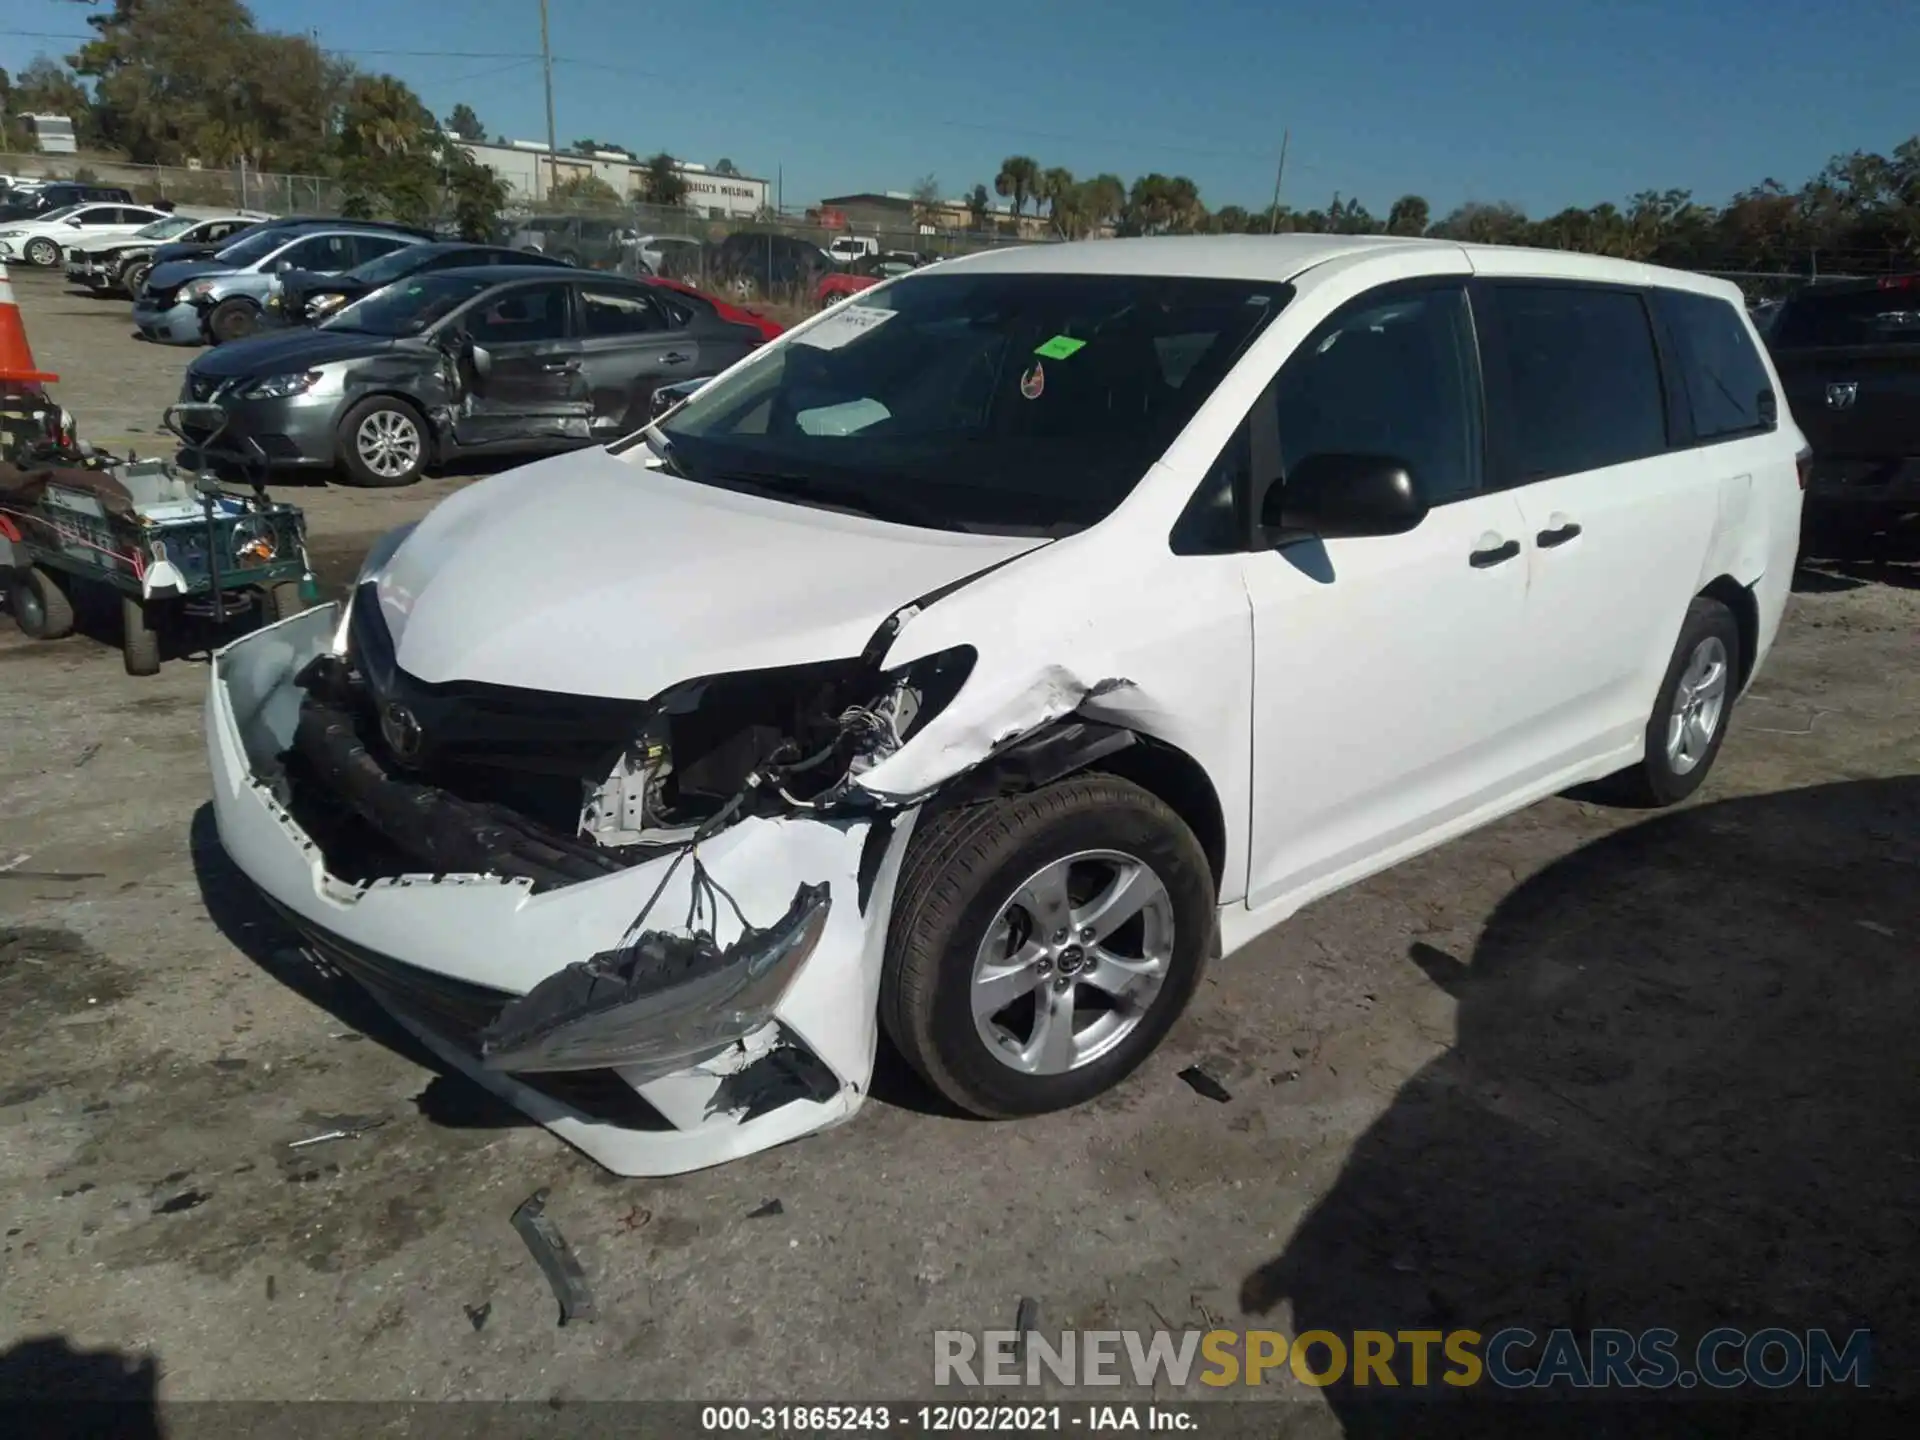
pixel 975 661
pixel 39 241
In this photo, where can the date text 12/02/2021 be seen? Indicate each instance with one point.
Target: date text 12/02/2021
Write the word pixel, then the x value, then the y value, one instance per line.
pixel 945 1419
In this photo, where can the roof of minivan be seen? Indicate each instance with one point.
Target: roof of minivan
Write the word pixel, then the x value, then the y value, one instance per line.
pixel 1285 257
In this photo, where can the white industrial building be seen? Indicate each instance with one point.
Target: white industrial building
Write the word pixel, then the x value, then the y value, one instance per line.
pixel 524 166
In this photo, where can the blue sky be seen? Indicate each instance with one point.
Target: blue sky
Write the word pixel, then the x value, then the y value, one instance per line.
pixel 1546 104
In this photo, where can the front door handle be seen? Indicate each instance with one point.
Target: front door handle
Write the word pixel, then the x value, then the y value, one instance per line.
pixel 674 357
pixel 1559 535
pixel 559 365
pixel 1495 555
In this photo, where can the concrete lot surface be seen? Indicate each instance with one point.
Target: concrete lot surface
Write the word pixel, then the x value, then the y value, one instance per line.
pixel 1587 1067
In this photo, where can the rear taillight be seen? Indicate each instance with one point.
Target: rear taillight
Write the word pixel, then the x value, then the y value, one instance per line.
pixel 1900 282
pixel 1803 462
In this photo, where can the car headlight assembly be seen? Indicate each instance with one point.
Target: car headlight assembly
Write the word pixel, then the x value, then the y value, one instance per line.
pixel 200 290
pixel 280 387
pixel 325 304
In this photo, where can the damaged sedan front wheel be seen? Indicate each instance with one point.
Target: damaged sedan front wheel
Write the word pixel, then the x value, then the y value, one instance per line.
pixel 1043 944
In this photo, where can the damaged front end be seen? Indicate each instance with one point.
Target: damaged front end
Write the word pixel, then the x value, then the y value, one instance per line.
pixel 572 899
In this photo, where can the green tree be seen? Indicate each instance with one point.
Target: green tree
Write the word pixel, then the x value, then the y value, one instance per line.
pixel 661 183
pixel 390 149
pixel 463 122
pixel 1018 179
pixel 475 195
pixel 582 192
pixel 979 205
pixel 47 87
pixel 1409 215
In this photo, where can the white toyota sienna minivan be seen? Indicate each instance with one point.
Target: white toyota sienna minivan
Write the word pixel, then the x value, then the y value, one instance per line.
pixel 978 660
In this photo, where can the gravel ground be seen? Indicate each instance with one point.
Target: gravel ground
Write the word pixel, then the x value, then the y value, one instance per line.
pixel 1586 1067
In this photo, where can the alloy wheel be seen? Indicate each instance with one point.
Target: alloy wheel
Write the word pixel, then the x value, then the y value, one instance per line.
pixel 1072 962
pixel 388 442
pixel 1699 702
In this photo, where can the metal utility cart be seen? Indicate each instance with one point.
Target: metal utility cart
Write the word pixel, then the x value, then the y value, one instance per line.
pixel 173 546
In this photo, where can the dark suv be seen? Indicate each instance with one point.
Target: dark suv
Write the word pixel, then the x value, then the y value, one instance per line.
pixel 58 196
pixel 1849 359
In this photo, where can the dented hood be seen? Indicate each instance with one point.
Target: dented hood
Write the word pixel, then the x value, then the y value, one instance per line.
pixel 587 574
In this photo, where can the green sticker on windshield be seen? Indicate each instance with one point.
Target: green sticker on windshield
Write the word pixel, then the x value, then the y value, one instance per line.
pixel 1059 347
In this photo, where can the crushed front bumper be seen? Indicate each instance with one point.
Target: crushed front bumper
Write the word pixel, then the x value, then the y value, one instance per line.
pixel 446 953
pixel 176 324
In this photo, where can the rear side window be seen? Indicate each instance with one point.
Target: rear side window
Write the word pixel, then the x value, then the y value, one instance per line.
pixel 619 312
pixel 1726 385
pixel 1848 317
pixel 1582 378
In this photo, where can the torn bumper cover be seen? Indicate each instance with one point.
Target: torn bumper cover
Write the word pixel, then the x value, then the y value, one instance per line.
pixel 652 1052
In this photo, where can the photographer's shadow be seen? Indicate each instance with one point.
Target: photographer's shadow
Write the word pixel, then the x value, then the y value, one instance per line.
pixel 1683 1095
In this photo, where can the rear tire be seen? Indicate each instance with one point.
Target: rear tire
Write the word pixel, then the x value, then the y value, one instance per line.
pixel 382 443
pixel 1689 719
pixel 960 927
pixel 139 642
pixel 282 601
pixel 234 319
pixel 40 607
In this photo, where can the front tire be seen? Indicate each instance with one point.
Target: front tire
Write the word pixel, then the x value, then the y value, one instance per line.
pixel 139 641
pixel 1689 720
pixel 383 443
pixel 43 253
pixel 233 320
pixel 1042 945
pixel 134 277
pixel 40 607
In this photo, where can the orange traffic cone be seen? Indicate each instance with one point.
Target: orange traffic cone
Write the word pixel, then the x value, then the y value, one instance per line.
pixel 16 356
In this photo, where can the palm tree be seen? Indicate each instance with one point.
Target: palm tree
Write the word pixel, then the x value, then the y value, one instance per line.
pixel 1019 178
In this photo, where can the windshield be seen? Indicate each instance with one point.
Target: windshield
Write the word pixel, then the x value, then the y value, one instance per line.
pixel 253 247
pixel 161 229
pixel 391 266
pixel 1007 403
pixel 409 306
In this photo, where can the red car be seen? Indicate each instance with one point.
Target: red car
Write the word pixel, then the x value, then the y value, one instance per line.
pixel 841 284
pixel 731 313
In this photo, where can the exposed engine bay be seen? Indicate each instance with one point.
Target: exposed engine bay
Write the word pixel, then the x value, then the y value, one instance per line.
pixel 394 776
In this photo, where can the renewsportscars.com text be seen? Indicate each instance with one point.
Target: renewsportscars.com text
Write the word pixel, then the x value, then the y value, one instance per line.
pixel 1508 1359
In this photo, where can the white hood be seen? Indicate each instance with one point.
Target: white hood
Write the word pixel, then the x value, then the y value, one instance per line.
pixel 590 574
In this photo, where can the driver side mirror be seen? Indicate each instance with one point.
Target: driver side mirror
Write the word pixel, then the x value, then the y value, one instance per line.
pixel 482 359
pixel 1337 497
pixel 281 267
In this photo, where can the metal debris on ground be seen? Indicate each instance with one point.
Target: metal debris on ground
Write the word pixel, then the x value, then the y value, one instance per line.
pixel 1026 1320
pixel 1201 1083
pixel 477 1314
pixel 87 754
pixel 772 1207
pixel 554 1257
pixel 345 1127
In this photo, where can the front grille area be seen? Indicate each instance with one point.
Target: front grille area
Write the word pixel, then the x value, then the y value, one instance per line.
pixel 202 387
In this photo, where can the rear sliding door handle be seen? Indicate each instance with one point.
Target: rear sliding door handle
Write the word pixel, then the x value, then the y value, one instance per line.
pixel 1496 555
pixel 1559 535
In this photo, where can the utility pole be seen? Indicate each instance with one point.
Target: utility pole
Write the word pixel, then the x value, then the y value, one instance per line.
pixel 1274 227
pixel 546 62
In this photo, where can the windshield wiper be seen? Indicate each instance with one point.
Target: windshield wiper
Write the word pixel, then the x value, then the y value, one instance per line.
pixel 890 508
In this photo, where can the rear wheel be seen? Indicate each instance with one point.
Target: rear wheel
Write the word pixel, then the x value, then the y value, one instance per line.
pixel 383 443
pixel 282 601
pixel 1689 720
pixel 40 607
pixel 233 320
pixel 1042 945
pixel 139 641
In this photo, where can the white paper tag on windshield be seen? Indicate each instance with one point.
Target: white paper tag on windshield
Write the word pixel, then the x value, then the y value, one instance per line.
pixel 843 326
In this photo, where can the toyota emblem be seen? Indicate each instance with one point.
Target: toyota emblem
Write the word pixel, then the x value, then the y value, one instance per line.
pixel 1841 394
pixel 401 730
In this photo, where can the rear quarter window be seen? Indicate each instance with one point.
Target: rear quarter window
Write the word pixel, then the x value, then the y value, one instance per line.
pixel 1726 385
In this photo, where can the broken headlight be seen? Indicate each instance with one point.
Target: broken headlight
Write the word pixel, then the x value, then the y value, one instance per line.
pixel 660 1003
pixel 796 738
